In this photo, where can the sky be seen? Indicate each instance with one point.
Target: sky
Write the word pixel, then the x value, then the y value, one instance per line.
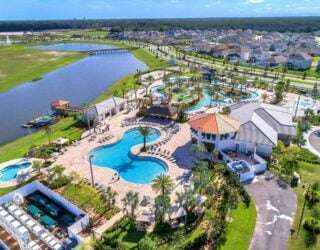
pixel 69 9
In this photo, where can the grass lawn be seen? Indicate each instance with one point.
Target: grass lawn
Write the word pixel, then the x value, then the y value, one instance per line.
pixel 19 64
pixel 127 83
pixel 310 173
pixel 240 229
pixel 87 197
pixel 18 148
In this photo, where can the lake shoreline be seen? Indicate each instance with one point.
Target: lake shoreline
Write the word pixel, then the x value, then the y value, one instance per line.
pixel 66 126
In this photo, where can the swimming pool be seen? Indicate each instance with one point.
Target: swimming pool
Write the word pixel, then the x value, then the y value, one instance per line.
pixel 9 173
pixel 117 156
pixel 206 101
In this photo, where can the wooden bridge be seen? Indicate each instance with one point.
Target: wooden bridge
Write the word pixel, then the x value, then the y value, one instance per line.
pixel 108 51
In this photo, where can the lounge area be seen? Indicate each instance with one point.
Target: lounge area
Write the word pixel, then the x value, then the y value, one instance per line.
pixel 37 216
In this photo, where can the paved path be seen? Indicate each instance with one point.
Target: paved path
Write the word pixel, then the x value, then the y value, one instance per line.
pixel 276 208
pixel 313 141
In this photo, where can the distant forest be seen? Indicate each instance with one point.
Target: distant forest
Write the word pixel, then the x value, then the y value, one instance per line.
pixel 283 24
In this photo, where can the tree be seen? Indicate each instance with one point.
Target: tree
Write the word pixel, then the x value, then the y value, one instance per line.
pixel 211 93
pixel 37 166
pixel 312 195
pixel 162 204
pixel 163 184
pixel 76 178
pixel 57 171
pixel 186 200
pixel 144 131
pixel 201 177
pixel 48 132
pixel 130 203
pixel 147 243
pixel 264 97
pixel 109 197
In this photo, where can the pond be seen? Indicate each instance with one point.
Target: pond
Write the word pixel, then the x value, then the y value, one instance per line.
pixel 80 82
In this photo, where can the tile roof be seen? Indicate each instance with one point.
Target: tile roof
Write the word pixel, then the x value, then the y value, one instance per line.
pixel 214 124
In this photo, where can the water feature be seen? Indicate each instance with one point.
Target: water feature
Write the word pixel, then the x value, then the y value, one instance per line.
pixel 80 82
pixel 139 170
pixel 206 101
pixel 9 173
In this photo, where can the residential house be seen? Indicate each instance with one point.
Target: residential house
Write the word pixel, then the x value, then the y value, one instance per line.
pixel 299 61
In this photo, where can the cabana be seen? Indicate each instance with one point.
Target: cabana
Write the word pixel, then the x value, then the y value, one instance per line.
pixel 144 220
pixel 176 215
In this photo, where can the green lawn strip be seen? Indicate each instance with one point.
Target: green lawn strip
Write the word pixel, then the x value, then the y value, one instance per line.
pixel 240 229
pixel 310 173
pixel 87 197
pixel 18 148
pixel 19 64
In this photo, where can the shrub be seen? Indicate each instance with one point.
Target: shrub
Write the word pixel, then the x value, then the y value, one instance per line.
pixel 312 225
pixel 147 244
pixel 59 182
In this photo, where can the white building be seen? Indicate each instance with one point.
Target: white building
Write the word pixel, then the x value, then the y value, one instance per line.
pixel 250 128
pixel 107 108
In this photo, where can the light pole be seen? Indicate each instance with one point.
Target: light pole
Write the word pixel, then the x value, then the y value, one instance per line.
pixel 91 170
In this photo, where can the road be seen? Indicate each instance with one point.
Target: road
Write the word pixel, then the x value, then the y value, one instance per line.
pixel 276 207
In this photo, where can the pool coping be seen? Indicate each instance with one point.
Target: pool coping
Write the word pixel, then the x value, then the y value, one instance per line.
pixel 134 152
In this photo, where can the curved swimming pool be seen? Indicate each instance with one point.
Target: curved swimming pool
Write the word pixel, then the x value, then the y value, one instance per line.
pixel 206 101
pixel 117 156
pixel 10 172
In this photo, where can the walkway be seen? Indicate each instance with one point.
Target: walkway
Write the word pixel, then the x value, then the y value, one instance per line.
pixel 276 208
pixel 313 141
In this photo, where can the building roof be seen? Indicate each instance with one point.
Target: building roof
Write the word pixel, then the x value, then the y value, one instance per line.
pixel 162 111
pixel 214 124
pixel 250 132
pixel 276 117
pixel 108 104
pixel 59 103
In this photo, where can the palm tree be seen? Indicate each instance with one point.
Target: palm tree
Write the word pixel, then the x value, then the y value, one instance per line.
pixel 37 166
pixel 162 204
pixel 48 131
pixel 163 184
pixel 186 200
pixel 144 131
pixel 201 177
pixel 130 203
pixel 76 178
pixel 109 197
pixel 57 171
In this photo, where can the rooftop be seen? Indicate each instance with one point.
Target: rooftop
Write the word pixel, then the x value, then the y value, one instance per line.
pixel 214 124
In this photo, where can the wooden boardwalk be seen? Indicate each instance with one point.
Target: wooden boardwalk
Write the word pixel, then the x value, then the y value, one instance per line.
pixel 108 51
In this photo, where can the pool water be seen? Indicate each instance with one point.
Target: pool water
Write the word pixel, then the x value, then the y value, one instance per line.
pixel 138 170
pixel 9 173
pixel 206 101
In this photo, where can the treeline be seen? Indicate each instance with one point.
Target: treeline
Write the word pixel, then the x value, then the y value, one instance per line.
pixel 282 24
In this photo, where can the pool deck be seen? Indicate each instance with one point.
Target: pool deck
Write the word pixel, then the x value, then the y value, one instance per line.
pixel 76 159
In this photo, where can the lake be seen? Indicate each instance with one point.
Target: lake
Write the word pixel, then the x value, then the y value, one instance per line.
pixel 80 82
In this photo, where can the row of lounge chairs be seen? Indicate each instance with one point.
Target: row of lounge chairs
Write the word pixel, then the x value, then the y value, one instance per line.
pixel 106 139
pixel 33 226
pixel 166 154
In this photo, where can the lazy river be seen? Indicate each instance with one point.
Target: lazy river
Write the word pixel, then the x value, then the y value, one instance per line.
pixel 117 156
